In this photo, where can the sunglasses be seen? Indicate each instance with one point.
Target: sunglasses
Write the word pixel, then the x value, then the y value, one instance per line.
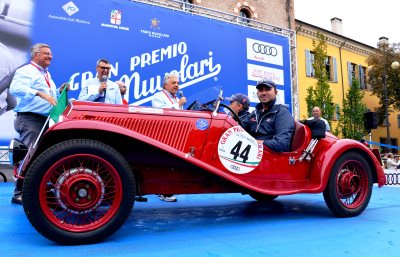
pixel 104 68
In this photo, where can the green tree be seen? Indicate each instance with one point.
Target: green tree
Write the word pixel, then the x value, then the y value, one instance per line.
pixel 351 124
pixel 379 68
pixel 320 94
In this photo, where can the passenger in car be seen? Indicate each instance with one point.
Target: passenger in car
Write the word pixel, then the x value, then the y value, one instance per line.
pixel 240 103
pixel 271 122
pixel 167 98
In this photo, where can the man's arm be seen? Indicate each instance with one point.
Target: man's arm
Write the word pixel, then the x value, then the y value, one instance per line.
pixel 21 86
pixel 84 95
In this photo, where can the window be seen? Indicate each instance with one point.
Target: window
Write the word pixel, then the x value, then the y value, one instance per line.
pixel 330 66
pixel 244 16
pixel 362 71
pixel 357 72
pixel 398 120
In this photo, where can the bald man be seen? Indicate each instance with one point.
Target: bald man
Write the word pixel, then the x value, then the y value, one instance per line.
pixel 316 114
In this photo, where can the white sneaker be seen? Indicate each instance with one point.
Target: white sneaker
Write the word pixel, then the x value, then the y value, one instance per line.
pixel 168 198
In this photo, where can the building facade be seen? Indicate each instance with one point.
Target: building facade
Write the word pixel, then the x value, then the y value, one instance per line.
pixel 347 59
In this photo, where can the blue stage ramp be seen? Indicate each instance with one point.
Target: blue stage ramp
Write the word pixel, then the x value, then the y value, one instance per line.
pixel 224 225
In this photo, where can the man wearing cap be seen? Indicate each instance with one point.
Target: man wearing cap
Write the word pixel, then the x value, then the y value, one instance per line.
pixel 271 122
pixel 240 104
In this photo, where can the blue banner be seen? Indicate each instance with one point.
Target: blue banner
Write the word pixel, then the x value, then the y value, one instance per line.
pixel 143 42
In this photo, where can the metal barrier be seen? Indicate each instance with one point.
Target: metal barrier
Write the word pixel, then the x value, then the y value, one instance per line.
pixel 392 178
pixel 4 155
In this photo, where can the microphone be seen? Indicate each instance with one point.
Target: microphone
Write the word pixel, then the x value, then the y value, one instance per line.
pixel 181 95
pixel 104 79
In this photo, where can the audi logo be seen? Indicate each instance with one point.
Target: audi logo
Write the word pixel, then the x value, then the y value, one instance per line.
pixel 265 49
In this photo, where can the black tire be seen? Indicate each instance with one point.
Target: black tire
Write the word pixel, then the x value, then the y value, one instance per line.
pixel 78 191
pixel 349 188
pixel 262 197
pixel 3 176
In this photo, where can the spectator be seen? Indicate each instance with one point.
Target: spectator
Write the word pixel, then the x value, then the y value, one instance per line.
pixel 122 89
pixel 270 122
pixel 391 163
pixel 36 94
pixel 167 99
pixel 316 114
pixel 240 104
pixel 100 88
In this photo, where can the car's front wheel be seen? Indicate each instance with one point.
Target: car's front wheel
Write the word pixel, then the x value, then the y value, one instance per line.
pixel 349 188
pixel 78 191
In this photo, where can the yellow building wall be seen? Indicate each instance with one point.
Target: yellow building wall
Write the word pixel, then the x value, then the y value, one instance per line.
pixel 339 89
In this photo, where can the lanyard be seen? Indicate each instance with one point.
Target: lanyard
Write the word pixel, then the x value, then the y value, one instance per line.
pixel 45 75
pixel 169 98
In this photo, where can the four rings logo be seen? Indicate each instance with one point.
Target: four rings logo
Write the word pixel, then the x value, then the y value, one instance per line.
pixel 264 49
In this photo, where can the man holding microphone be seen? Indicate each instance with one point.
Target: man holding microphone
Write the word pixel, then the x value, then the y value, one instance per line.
pixel 100 88
pixel 167 98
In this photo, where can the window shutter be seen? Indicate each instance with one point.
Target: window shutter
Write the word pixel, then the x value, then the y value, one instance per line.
pixel 335 78
pixel 362 81
pixel 308 63
pixel 349 72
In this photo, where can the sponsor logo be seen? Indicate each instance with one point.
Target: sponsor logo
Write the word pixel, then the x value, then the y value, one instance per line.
pixel 115 21
pixel 116 16
pixel 257 72
pixel 154 25
pixel 202 124
pixel 70 8
pixel 262 51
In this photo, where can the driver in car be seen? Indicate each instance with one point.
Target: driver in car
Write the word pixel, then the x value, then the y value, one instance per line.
pixel 240 103
pixel 271 122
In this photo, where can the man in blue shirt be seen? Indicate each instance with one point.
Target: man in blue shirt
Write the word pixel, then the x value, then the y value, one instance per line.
pixel 271 122
pixel 36 95
pixel 100 88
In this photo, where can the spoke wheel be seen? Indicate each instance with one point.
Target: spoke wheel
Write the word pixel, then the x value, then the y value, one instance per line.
pixel 349 187
pixel 78 191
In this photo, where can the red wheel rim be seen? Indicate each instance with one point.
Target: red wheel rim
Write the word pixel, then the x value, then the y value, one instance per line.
pixel 80 193
pixel 352 184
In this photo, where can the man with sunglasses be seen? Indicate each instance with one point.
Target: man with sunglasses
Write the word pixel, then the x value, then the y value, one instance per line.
pixel 271 122
pixel 100 88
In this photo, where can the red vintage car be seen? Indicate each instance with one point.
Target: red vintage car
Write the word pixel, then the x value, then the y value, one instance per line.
pixel 84 175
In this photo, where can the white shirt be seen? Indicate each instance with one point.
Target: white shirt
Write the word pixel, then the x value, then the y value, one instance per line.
pixel 164 99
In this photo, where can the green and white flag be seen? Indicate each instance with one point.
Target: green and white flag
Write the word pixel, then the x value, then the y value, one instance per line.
pixel 61 105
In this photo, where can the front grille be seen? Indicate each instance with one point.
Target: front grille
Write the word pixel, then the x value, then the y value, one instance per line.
pixel 169 132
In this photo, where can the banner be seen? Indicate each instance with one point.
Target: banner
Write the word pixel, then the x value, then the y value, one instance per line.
pixel 143 42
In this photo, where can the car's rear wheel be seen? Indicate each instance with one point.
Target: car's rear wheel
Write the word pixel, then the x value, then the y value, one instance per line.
pixel 262 197
pixel 78 191
pixel 349 188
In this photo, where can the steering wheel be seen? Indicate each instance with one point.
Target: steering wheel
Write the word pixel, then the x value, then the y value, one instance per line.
pixel 234 115
pixel 200 107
